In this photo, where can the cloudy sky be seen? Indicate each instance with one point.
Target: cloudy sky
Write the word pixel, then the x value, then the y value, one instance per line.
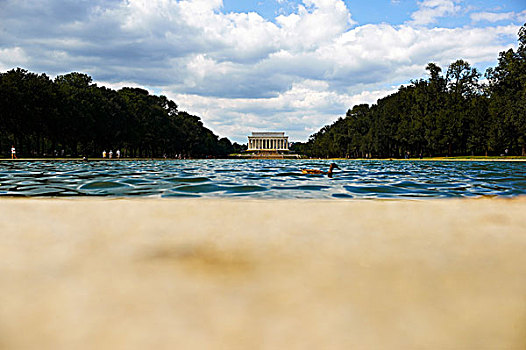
pixel 262 65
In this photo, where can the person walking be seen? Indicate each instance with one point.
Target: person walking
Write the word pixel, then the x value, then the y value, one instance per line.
pixel 104 154
pixel 118 153
pixel 111 154
pixel 13 152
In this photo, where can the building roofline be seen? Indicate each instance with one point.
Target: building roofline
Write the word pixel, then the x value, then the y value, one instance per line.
pixel 267 134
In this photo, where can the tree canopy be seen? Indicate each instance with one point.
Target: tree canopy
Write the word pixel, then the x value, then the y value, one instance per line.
pixel 72 116
pixel 446 114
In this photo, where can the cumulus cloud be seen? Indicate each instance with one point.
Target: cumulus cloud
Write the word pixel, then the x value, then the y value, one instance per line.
pixel 430 10
pixel 498 16
pixel 305 108
pixel 12 56
pixel 239 71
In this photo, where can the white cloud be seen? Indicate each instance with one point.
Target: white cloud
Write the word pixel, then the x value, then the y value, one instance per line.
pixel 498 16
pixel 300 111
pixel 239 71
pixel 119 85
pixel 430 10
pixel 11 57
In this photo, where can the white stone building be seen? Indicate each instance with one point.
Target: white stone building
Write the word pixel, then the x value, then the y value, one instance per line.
pixel 268 141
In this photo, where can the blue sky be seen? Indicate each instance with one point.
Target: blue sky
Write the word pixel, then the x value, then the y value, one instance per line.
pixel 267 65
pixel 385 11
pixel 376 11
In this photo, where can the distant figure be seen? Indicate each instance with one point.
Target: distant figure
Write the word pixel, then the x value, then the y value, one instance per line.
pixel 320 172
pixel 104 154
pixel 118 153
pixel 506 152
pixel 13 152
pixel 111 154
pixel 85 158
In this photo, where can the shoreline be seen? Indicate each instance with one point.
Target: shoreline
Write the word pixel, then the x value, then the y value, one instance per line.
pixel 89 273
pixel 431 159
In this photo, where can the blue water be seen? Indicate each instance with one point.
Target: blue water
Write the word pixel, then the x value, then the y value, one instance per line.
pixel 262 179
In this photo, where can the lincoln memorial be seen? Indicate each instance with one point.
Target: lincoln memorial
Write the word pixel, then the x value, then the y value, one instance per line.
pixel 268 141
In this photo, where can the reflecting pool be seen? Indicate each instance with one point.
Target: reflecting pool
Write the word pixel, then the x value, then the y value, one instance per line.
pixel 263 179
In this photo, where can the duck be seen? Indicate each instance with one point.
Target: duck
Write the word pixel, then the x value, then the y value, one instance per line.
pixel 321 172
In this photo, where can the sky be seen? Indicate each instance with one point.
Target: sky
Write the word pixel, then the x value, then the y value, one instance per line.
pixel 263 65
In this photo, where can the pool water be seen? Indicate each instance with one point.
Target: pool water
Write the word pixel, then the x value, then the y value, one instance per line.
pixel 262 179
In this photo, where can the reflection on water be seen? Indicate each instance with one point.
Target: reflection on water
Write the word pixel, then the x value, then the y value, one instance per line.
pixel 262 179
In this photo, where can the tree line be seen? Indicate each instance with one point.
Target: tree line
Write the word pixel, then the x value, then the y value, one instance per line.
pixel 448 114
pixel 72 116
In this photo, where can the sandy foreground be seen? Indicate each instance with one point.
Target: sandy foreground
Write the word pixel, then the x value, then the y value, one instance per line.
pixel 248 274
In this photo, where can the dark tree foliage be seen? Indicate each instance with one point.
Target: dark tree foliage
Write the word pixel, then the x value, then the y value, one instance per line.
pixel 71 116
pixel 447 114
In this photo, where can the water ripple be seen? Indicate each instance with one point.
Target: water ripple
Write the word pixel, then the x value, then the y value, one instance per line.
pixel 262 179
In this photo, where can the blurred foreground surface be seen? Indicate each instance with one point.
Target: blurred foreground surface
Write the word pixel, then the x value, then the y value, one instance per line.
pixel 225 274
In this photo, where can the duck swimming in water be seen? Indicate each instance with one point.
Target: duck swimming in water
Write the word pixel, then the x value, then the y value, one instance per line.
pixel 320 172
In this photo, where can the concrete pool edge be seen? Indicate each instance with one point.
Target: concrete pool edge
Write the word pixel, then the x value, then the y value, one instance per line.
pixel 223 273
